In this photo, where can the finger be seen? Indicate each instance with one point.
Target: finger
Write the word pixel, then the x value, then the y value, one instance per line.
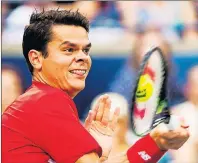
pixel 176 145
pixel 95 110
pixel 177 137
pixel 101 108
pixel 105 117
pixel 116 114
pixel 88 120
pixel 183 123
pixel 170 135
pixel 184 133
pixel 177 140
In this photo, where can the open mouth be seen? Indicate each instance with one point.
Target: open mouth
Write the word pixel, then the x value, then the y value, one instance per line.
pixel 78 72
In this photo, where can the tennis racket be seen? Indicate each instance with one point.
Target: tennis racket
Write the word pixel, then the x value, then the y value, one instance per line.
pixel 149 102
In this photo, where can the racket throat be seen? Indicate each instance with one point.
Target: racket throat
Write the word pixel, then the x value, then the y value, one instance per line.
pixel 163 117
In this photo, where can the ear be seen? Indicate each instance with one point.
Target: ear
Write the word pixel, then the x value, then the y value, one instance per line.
pixel 36 59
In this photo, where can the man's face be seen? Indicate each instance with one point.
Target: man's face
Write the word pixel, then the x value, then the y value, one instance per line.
pixel 68 62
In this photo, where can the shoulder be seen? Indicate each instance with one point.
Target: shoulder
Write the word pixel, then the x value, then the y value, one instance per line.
pixel 42 97
pixel 55 101
pixel 39 92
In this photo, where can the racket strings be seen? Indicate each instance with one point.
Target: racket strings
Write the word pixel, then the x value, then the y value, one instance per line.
pixel 154 66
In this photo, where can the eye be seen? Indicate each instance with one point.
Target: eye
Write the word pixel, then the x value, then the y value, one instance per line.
pixel 86 51
pixel 70 50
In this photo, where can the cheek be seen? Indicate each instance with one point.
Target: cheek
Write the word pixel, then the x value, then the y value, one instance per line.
pixel 62 73
pixel 53 68
pixel 48 65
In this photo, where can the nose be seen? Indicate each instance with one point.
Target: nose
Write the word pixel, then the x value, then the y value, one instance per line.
pixel 81 57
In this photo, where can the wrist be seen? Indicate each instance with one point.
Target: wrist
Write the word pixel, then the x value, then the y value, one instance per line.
pixel 103 159
pixel 145 150
pixel 105 154
pixel 155 137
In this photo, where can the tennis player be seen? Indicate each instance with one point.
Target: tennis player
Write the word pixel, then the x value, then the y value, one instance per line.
pixel 42 125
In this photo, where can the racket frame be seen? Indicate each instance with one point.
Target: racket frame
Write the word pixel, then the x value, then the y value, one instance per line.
pixel 164 114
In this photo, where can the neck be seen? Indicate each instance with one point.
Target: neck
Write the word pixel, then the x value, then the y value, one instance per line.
pixel 37 77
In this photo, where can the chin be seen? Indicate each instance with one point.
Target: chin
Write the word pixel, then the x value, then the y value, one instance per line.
pixel 78 86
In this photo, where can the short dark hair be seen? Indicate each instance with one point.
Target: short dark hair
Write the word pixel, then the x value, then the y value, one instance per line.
pixel 38 33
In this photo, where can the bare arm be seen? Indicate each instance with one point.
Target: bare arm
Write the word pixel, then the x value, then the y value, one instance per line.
pixel 146 150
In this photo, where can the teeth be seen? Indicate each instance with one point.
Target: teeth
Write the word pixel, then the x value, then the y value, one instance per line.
pixel 78 72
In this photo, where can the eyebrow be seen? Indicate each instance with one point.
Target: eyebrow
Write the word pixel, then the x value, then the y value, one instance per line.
pixel 74 45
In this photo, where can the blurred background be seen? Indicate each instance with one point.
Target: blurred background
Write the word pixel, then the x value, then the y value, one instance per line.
pixel 120 31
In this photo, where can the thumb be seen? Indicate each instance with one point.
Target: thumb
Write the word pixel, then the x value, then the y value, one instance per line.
pixel 183 123
pixel 89 120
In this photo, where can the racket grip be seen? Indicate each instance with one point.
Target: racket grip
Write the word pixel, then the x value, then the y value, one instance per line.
pixel 174 122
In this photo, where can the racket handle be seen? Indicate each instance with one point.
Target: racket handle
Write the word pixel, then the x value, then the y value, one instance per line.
pixel 174 122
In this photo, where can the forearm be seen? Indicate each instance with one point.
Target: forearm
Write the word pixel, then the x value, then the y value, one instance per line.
pixel 144 150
